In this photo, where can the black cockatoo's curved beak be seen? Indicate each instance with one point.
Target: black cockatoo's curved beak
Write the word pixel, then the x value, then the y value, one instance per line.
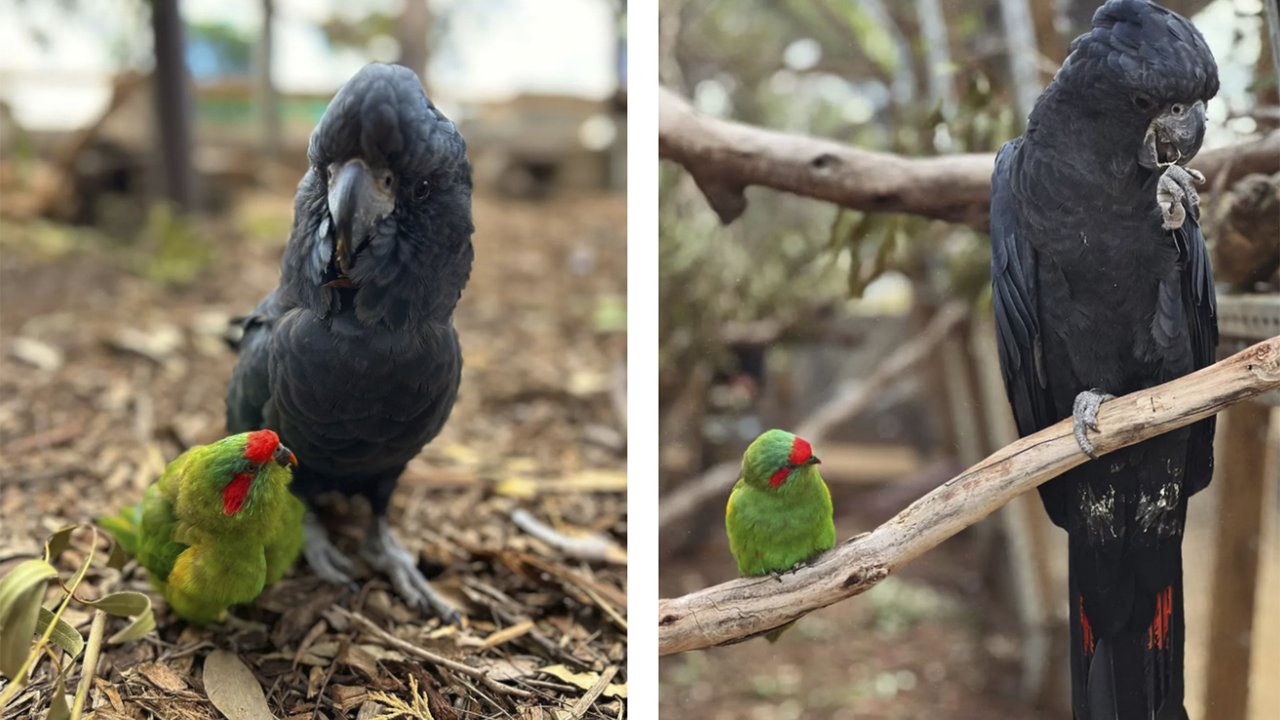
pixel 284 457
pixel 1174 136
pixel 358 198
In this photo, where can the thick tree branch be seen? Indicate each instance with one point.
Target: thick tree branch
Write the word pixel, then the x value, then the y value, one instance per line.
pixel 741 608
pixel 724 157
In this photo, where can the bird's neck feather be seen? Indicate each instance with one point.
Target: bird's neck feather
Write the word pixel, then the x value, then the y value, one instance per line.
pixel 1091 149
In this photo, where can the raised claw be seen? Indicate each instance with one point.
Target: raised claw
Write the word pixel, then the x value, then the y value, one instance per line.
pixel 1176 185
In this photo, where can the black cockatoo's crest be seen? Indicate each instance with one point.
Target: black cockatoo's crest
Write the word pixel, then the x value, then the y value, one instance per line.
pixel 1129 47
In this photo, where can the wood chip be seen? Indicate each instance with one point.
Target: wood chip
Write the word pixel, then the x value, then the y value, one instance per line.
pixel 360 659
pixel 585 702
pixel 507 634
pixel 347 696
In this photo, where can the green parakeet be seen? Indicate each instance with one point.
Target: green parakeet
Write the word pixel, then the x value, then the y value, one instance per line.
pixel 218 526
pixel 779 513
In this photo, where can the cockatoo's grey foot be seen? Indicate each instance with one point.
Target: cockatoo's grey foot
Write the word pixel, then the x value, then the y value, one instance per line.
pixel 1084 412
pixel 325 560
pixel 387 555
pixel 1177 184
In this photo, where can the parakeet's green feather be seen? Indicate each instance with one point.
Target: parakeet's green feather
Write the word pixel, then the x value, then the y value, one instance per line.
pixel 218 526
pixel 779 513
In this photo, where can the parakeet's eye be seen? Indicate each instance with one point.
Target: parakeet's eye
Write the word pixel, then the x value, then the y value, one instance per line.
pixel 422 190
pixel 1144 102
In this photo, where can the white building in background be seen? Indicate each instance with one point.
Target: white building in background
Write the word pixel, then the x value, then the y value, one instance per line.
pixel 55 73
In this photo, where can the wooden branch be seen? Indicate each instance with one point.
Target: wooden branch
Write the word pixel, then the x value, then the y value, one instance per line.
pixel 724 157
pixel 846 403
pixel 741 608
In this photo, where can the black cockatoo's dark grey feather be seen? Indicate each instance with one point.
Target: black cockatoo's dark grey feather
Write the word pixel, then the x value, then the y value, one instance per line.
pixel 1093 295
pixel 353 358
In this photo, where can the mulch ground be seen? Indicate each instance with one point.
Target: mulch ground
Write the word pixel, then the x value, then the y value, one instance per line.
pixel 105 375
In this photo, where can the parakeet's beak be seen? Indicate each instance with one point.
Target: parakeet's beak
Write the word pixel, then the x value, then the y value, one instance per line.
pixel 1174 136
pixel 358 198
pixel 813 460
pixel 284 457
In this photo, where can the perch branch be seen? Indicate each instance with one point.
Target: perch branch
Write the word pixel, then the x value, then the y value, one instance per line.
pixel 848 402
pixel 745 607
pixel 725 157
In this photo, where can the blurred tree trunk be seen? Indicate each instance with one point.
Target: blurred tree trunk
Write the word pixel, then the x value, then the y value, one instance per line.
pixel 1268 93
pixel 1020 39
pixel 173 105
pixel 937 52
pixel 268 99
pixel 414 26
pixel 618 103
pixel 1051 43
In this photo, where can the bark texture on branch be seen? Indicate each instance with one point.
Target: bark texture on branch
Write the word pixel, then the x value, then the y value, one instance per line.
pixel 741 608
pixel 724 157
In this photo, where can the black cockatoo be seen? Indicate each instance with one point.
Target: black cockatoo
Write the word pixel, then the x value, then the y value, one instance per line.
pixel 1102 285
pixel 353 358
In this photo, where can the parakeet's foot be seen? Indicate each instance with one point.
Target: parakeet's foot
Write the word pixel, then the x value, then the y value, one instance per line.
pixel 775 575
pixel 325 560
pixel 385 553
pixel 1177 184
pixel 1085 414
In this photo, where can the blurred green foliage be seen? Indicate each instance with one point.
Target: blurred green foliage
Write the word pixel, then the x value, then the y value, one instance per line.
pixel 838 69
pixel 174 250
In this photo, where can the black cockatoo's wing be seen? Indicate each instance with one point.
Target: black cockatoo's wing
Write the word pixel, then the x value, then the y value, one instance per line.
pixel 1016 305
pixel 1200 305
pixel 1015 300
pixel 250 388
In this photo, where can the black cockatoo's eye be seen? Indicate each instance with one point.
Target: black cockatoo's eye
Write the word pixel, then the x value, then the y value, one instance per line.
pixel 1178 109
pixel 422 190
pixel 1144 102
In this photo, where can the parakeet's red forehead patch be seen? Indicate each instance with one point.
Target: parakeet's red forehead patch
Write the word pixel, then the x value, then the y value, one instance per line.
pixel 800 452
pixel 260 446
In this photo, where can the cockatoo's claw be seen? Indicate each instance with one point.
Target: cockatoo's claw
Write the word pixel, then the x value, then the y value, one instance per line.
pixel 1084 413
pixel 1176 185
pixel 325 559
pixel 386 554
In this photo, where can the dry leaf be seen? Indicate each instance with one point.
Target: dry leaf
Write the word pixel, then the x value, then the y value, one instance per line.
pixel 584 680
pixel 233 689
pixel 508 668
pixel 163 677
